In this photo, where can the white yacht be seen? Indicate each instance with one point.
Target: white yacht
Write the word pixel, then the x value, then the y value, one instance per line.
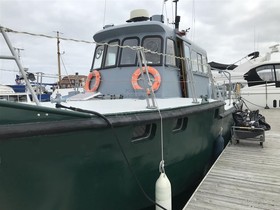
pixel 258 77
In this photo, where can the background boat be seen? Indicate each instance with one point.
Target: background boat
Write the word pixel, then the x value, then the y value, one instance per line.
pixel 256 81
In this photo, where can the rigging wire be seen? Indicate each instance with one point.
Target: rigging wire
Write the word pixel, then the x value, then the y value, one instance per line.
pixel 104 15
pixel 189 60
pixel 92 42
pixel 46 36
pixel 193 20
pixel 163 4
pixel 65 69
pixel 245 100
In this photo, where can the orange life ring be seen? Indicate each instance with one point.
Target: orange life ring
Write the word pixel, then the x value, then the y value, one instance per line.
pixel 152 71
pixel 91 75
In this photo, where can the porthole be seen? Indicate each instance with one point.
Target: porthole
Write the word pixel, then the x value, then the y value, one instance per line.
pixel 274 103
pixel 143 132
pixel 179 125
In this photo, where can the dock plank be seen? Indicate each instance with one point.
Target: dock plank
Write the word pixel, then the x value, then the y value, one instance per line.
pixel 245 176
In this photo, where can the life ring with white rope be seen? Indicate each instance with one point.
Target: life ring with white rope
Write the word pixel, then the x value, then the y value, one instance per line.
pixel 153 72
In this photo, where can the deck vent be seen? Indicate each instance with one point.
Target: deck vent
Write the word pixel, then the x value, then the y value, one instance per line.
pixel 138 15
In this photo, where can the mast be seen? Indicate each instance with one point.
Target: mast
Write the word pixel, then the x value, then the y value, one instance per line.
pixel 18 54
pixel 58 58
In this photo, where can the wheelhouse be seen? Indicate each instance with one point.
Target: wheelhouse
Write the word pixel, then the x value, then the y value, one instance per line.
pixel 180 63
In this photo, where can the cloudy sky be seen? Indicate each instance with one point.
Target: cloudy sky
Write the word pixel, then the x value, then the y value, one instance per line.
pixel 226 29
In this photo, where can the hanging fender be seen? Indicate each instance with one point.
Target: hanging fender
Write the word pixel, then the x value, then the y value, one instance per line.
pixel 152 71
pixel 94 74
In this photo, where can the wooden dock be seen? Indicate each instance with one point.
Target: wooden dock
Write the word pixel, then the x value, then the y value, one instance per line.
pixel 245 176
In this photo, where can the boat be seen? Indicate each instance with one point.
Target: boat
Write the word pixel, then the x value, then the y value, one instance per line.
pixel 258 79
pixel 7 93
pixel 148 109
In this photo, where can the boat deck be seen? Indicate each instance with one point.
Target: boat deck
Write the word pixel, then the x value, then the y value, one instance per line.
pixel 245 176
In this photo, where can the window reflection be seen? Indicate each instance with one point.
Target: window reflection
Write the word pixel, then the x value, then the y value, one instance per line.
pixel 153 44
pixel 205 67
pixel 112 53
pixel 266 73
pixel 277 72
pixel 194 61
pixel 128 56
pixel 170 51
pixel 199 62
pixel 187 55
pixel 98 57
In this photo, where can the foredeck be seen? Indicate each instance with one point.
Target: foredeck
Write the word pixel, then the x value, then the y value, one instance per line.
pixel 246 176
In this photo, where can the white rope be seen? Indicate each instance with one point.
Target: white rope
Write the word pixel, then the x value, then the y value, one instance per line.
pixel 161 164
pixel 92 42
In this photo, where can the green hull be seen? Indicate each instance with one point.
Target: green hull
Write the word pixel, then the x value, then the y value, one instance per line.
pixel 71 161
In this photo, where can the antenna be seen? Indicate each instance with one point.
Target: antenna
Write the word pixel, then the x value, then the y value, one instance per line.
pixel 163 3
pixel 104 16
pixel 193 20
pixel 177 18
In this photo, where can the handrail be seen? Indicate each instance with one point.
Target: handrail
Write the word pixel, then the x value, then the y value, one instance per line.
pixel 15 57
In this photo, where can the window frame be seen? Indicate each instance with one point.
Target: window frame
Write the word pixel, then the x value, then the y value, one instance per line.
pixel 105 55
pixel 102 59
pixel 161 46
pixel 270 70
pixel 199 62
pixel 121 52
pixel 166 48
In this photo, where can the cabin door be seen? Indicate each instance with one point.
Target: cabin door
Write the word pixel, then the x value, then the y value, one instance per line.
pixel 183 68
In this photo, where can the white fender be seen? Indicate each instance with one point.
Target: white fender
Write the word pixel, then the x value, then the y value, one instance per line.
pixel 163 192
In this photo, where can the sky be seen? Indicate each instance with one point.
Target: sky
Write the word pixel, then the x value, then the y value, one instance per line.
pixel 227 29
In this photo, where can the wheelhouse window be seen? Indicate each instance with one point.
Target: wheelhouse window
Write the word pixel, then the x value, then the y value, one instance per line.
pixel 277 72
pixel 199 62
pixel 187 55
pixel 128 56
pixel 112 54
pixel 194 61
pixel 170 51
pixel 205 64
pixel 153 44
pixel 97 62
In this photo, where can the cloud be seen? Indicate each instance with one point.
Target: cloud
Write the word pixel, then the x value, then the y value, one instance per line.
pixel 226 29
